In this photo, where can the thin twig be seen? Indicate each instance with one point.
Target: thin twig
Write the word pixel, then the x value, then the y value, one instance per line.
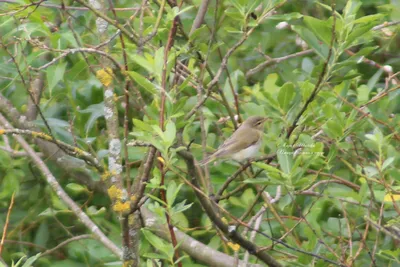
pixel 274 61
pixel 3 237
pixel 65 242
pixel 386 24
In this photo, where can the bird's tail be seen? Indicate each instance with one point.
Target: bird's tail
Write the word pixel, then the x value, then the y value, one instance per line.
pixel 207 160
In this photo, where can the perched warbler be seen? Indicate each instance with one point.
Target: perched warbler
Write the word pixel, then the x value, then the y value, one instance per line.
pixel 244 143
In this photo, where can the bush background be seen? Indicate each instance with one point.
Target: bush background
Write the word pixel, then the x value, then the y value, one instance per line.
pixel 117 97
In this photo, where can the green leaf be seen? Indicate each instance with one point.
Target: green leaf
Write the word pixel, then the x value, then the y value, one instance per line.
pixel 153 255
pixel 198 33
pixel 374 79
pixel 158 131
pixel 321 28
pixel 329 9
pixel 387 163
pixel 143 62
pixel 321 49
pixel 370 18
pixel 158 243
pixel 170 133
pixel 142 125
pixel 142 81
pixel 253 109
pixel 266 167
pixel 154 197
pixel 233 14
pixel 357 32
pixel 42 234
pixel 96 111
pixel 351 9
pixel 183 10
pixel 333 129
pixel 29 262
pixel 10 183
pixel 238 6
pixel 76 189
pixel 285 96
pixel 363 94
pixel 172 192
pixel 159 63
pixel 286 17
pixel 181 207
pixel 54 75
pixel 285 159
pixel 252 5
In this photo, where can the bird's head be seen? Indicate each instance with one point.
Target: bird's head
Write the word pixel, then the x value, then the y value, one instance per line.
pixel 255 122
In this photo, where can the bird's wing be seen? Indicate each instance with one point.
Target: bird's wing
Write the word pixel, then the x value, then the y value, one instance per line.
pixel 233 145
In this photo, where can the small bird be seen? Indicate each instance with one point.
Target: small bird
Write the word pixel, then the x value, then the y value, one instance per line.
pixel 244 142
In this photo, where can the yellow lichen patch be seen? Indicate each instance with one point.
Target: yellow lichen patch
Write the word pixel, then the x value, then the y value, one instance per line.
pixel 42 136
pixel 391 198
pixel 233 246
pixel 160 159
pixel 131 219
pixel 114 192
pixel 133 198
pixel 104 76
pixel 105 176
pixel 128 263
pixel 115 96
pixel 2 131
pixel 122 207
pixel 79 151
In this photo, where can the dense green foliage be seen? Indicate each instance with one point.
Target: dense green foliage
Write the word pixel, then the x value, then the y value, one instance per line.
pixel 329 89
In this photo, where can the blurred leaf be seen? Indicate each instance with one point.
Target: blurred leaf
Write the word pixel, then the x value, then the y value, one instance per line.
pixel 158 243
pixel 172 192
pixel 143 62
pixel 387 162
pixel 322 29
pixel 142 125
pixel 333 129
pixel 96 111
pixel 286 17
pixel 142 81
pixel 159 63
pixel 286 94
pixel 55 74
pixel 29 262
pixel 76 189
pixel 10 183
pixel 42 234
pixel 170 133
pixel 312 41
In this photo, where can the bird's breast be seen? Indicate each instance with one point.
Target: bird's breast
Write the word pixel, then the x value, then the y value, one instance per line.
pixel 247 152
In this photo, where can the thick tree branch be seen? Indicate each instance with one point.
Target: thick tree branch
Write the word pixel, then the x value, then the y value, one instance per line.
pixel 194 248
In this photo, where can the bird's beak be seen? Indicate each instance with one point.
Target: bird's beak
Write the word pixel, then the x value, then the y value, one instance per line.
pixel 265 119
